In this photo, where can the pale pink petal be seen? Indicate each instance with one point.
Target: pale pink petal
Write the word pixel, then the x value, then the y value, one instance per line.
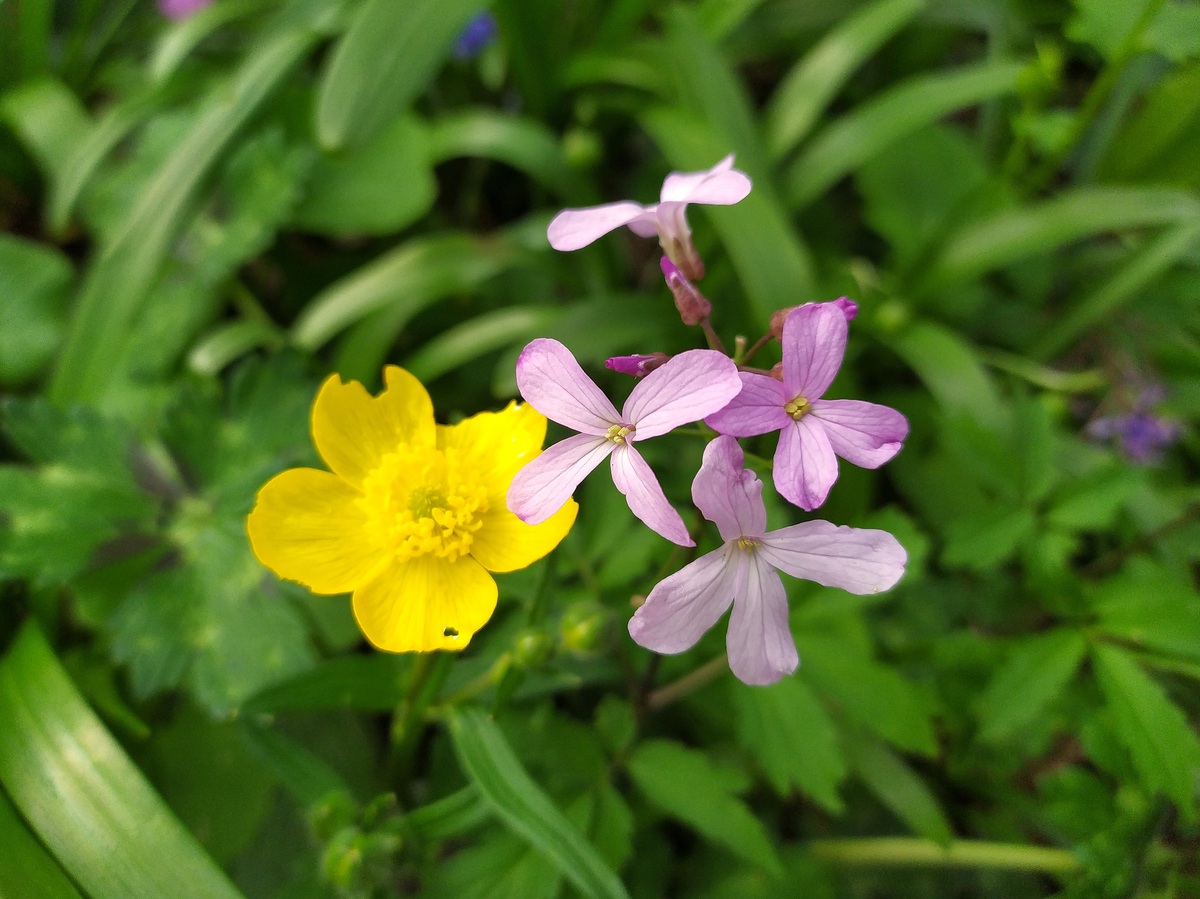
pixel 757 409
pixel 858 560
pixel 552 382
pixel 761 648
pixel 865 434
pixel 573 229
pixel 722 185
pixel 682 607
pixel 685 389
pixel 541 487
pixel 646 224
pixel 805 466
pixel 727 494
pixel 814 342
pixel 646 499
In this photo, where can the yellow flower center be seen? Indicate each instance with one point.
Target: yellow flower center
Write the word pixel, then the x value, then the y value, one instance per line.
pixel 422 500
pixel 618 433
pixel 748 543
pixel 797 408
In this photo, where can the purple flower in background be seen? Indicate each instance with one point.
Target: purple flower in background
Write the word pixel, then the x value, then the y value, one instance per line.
pixel 813 432
pixel 722 185
pixel 744 572
pixel 478 33
pixel 1140 435
pixel 685 389
pixel 181 9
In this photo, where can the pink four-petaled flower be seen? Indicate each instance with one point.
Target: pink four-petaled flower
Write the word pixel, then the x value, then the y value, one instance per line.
pixel 744 572
pixel 813 431
pixel 683 390
pixel 722 185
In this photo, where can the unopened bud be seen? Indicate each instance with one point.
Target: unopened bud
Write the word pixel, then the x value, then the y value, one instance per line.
pixel 692 305
pixel 776 371
pixel 584 626
pixel 532 649
pixel 639 365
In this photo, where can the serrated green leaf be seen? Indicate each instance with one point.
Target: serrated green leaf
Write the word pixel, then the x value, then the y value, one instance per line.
pixel 1091 503
pixel 382 63
pixel 1152 606
pixel 686 785
pixel 900 788
pixel 1033 674
pixel 988 538
pixel 75 807
pixel 790 735
pixel 491 765
pixel 1154 730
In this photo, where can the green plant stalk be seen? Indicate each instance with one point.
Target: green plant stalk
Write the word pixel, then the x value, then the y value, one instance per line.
pixel 689 683
pixel 917 852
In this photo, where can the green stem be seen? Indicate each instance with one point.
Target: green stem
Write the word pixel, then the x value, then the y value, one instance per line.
pixel 758 345
pixel 913 851
pixel 689 683
pixel 1047 378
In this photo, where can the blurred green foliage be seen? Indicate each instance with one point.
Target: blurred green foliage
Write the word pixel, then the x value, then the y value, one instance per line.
pixel 206 216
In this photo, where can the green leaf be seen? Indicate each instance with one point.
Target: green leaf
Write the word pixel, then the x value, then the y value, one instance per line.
pixel 383 62
pixel 983 540
pixel 50 121
pixel 1072 215
pixel 873 695
pixel 117 282
pixel 414 275
pixel 308 779
pixel 371 683
pixel 874 126
pixel 26 868
pixel 1031 677
pixel 491 765
pixel 807 89
pixel 450 816
pixel 377 188
pixel 1092 502
pixel 950 369
pixel 789 734
pixel 1163 746
pixel 1150 605
pixel 1162 136
pixel 461 345
pixel 686 785
pixel 33 282
pixel 900 788
pixel 80 792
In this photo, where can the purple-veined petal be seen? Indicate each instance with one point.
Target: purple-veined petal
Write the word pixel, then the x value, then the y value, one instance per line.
pixel 859 560
pixel 541 487
pixel 757 409
pixel 682 607
pixel 805 466
pixel 692 385
pixel 727 494
pixel 722 185
pixel 573 229
pixel 814 342
pixel 865 434
pixel 646 499
pixel 553 383
pixel 761 648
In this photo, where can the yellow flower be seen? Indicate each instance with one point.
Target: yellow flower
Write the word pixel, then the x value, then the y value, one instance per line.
pixel 412 517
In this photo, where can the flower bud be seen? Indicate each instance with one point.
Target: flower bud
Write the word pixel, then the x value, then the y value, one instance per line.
pixel 638 365
pixel 693 307
pixel 584 626
pixel 532 649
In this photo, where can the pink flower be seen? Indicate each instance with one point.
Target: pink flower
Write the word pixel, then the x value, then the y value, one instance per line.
pixel 722 185
pixel 744 573
pixel 638 365
pixel 685 389
pixel 813 431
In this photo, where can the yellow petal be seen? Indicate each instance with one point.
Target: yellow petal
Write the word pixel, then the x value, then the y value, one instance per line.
pixel 307 527
pixel 496 445
pixel 353 430
pixel 419 605
pixel 505 543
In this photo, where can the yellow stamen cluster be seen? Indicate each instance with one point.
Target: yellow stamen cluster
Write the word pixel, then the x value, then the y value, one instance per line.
pixel 748 543
pixel 618 433
pixel 422 500
pixel 797 408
